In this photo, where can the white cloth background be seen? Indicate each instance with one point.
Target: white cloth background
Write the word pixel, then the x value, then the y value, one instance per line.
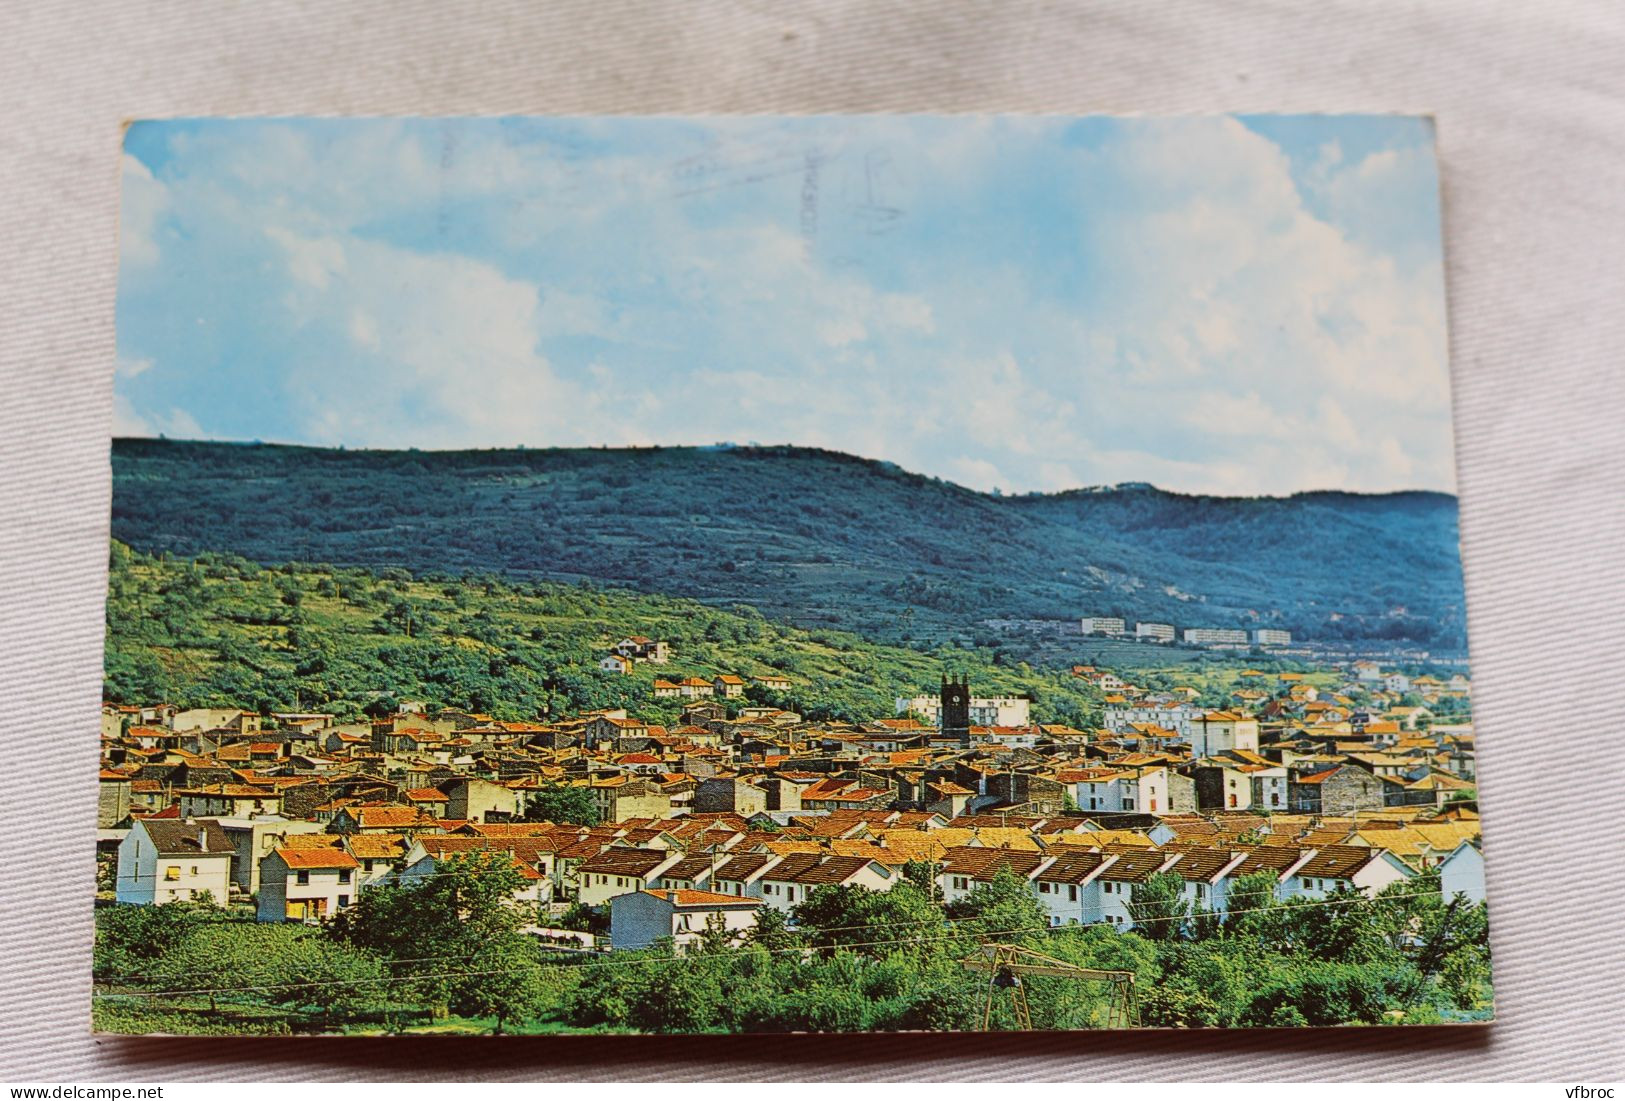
pixel 1531 124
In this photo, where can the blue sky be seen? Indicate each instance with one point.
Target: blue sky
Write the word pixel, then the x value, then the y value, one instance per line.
pixel 1228 305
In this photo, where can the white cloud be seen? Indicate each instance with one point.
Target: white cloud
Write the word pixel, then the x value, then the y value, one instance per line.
pixel 173 422
pixel 364 331
pixel 142 207
pixel 1229 327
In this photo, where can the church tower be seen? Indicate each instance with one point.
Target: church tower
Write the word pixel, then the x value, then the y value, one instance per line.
pixel 956 708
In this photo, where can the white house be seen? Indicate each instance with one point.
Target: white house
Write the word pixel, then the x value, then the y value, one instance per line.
pixel 1462 872
pixel 1142 789
pixel 639 918
pixel 173 860
pixel 1207 875
pixel 620 870
pixel 1094 788
pixel 533 859
pixel 789 882
pixel 965 867
pixel 254 839
pixel 1271 786
pixel 307 884
pixel 1113 889
pixel 1063 884
pixel 741 875
pixel 1145 790
pixel 1221 731
pixel 1343 866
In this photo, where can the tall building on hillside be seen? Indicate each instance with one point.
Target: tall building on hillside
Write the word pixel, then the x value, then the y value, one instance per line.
pixel 1103 625
pixel 1215 636
pixel 1156 632
pixel 956 707
pixel 1271 636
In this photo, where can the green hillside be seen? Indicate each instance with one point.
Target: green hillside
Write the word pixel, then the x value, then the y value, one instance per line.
pixel 221 630
pixel 816 538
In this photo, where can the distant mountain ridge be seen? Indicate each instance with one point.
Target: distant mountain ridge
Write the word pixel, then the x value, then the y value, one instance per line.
pixel 814 537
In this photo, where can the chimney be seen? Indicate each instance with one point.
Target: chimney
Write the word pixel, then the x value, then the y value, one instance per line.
pixel 202 837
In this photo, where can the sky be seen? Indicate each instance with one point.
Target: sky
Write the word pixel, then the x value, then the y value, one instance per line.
pixel 1249 305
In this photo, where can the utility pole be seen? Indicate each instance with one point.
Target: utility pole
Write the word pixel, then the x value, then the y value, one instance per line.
pixel 1006 963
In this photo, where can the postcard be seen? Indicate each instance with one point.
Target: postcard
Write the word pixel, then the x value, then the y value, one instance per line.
pixel 762 575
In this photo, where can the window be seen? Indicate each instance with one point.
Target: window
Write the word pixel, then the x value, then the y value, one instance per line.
pixel 1043 888
pixel 961 883
pixel 1072 893
pixel 1232 798
pixel 301 877
pixel 344 900
pixel 366 865
pixel 172 872
pixel 344 875
pixel 1153 802
pixel 194 869
pixel 1275 798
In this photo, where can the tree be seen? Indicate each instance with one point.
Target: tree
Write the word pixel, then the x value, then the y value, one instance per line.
pixel 211 959
pixel 430 929
pixel 1004 908
pixel 1336 928
pixel 1159 908
pixel 923 875
pixel 1250 904
pixel 130 939
pixel 1465 975
pixel 506 981
pixel 337 981
pixel 562 803
pixel 772 932
pixel 872 923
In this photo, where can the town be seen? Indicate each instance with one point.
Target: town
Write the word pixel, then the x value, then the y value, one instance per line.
pixel 669 831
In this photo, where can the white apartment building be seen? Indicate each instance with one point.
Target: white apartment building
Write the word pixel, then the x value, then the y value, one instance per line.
pixel 1215 636
pixel 1177 717
pixel 1154 632
pixel 1271 636
pixel 1104 625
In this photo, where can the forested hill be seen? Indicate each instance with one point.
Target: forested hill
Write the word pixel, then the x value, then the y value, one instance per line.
pixel 813 537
